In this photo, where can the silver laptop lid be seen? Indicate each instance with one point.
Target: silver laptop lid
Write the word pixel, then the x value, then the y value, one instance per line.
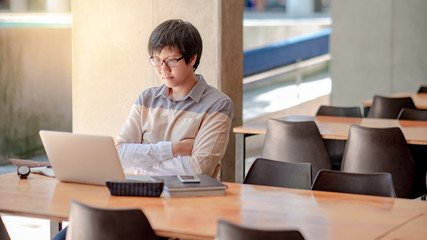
pixel 82 158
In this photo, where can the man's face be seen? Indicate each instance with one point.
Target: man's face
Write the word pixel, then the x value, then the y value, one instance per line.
pixel 177 76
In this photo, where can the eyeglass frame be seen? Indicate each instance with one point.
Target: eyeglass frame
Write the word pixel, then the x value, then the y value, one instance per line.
pixel 166 61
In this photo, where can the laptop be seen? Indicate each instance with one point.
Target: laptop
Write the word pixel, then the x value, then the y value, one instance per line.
pixel 82 158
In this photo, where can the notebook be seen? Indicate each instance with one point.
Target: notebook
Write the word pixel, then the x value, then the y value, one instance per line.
pixel 81 158
pixel 207 186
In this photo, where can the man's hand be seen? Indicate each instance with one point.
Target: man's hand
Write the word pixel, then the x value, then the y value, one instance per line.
pixel 183 147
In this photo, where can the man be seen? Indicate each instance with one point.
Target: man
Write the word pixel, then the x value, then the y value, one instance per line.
pixel 181 127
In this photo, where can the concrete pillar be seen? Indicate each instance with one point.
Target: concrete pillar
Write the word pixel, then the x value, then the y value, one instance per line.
pixel 377 47
pixel 110 59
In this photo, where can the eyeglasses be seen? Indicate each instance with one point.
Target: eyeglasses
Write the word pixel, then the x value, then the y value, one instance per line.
pixel 169 62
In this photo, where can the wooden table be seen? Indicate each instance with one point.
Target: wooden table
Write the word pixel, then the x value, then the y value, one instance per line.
pixel 331 128
pixel 416 225
pixel 420 99
pixel 318 215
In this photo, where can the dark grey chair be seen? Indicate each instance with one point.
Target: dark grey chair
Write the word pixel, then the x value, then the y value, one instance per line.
pixel 386 107
pixel 230 231
pixel 325 110
pixel 296 142
pixel 92 223
pixel 4 235
pixel 377 184
pixel 279 174
pixel 422 89
pixel 336 147
pixel 412 114
pixel 370 150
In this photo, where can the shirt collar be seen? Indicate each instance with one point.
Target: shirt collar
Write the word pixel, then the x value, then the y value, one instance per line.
pixel 198 89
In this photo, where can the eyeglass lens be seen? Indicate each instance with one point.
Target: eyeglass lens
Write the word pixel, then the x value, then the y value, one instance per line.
pixel 169 62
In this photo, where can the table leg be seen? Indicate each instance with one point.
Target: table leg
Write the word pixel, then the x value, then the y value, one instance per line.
pixel 240 157
pixel 55 227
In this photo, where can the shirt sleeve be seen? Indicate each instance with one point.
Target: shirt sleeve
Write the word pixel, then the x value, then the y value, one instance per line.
pixel 133 153
pixel 212 139
pixel 173 166
pixel 153 159
pixel 138 155
pixel 147 158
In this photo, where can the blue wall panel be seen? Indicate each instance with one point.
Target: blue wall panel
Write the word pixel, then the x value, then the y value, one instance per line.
pixel 286 52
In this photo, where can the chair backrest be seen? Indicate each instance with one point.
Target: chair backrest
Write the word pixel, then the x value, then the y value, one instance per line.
pixel 296 142
pixel 336 147
pixel 422 89
pixel 412 114
pixel 386 107
pixel 4 235
pixel 377 184
pixel 87 222
pixel 279 174
pixel 230 231
pixel 339 111
pixel 370 150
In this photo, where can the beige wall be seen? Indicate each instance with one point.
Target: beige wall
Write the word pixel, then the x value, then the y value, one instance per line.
pixel 110 60
pixel 35 87
pixel 377 47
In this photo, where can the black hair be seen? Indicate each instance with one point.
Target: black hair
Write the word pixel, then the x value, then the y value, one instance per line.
pixel 176 33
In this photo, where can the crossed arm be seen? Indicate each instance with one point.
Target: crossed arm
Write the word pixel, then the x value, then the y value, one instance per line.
pixel 183 147
pixel 200 149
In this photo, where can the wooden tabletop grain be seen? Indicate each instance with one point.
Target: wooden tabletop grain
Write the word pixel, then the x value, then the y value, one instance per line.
pixel 318 215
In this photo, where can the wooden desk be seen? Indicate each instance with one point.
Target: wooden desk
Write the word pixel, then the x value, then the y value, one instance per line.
pixel 416 225
pixel 420 99
pixel 318 215
pixel 331 128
